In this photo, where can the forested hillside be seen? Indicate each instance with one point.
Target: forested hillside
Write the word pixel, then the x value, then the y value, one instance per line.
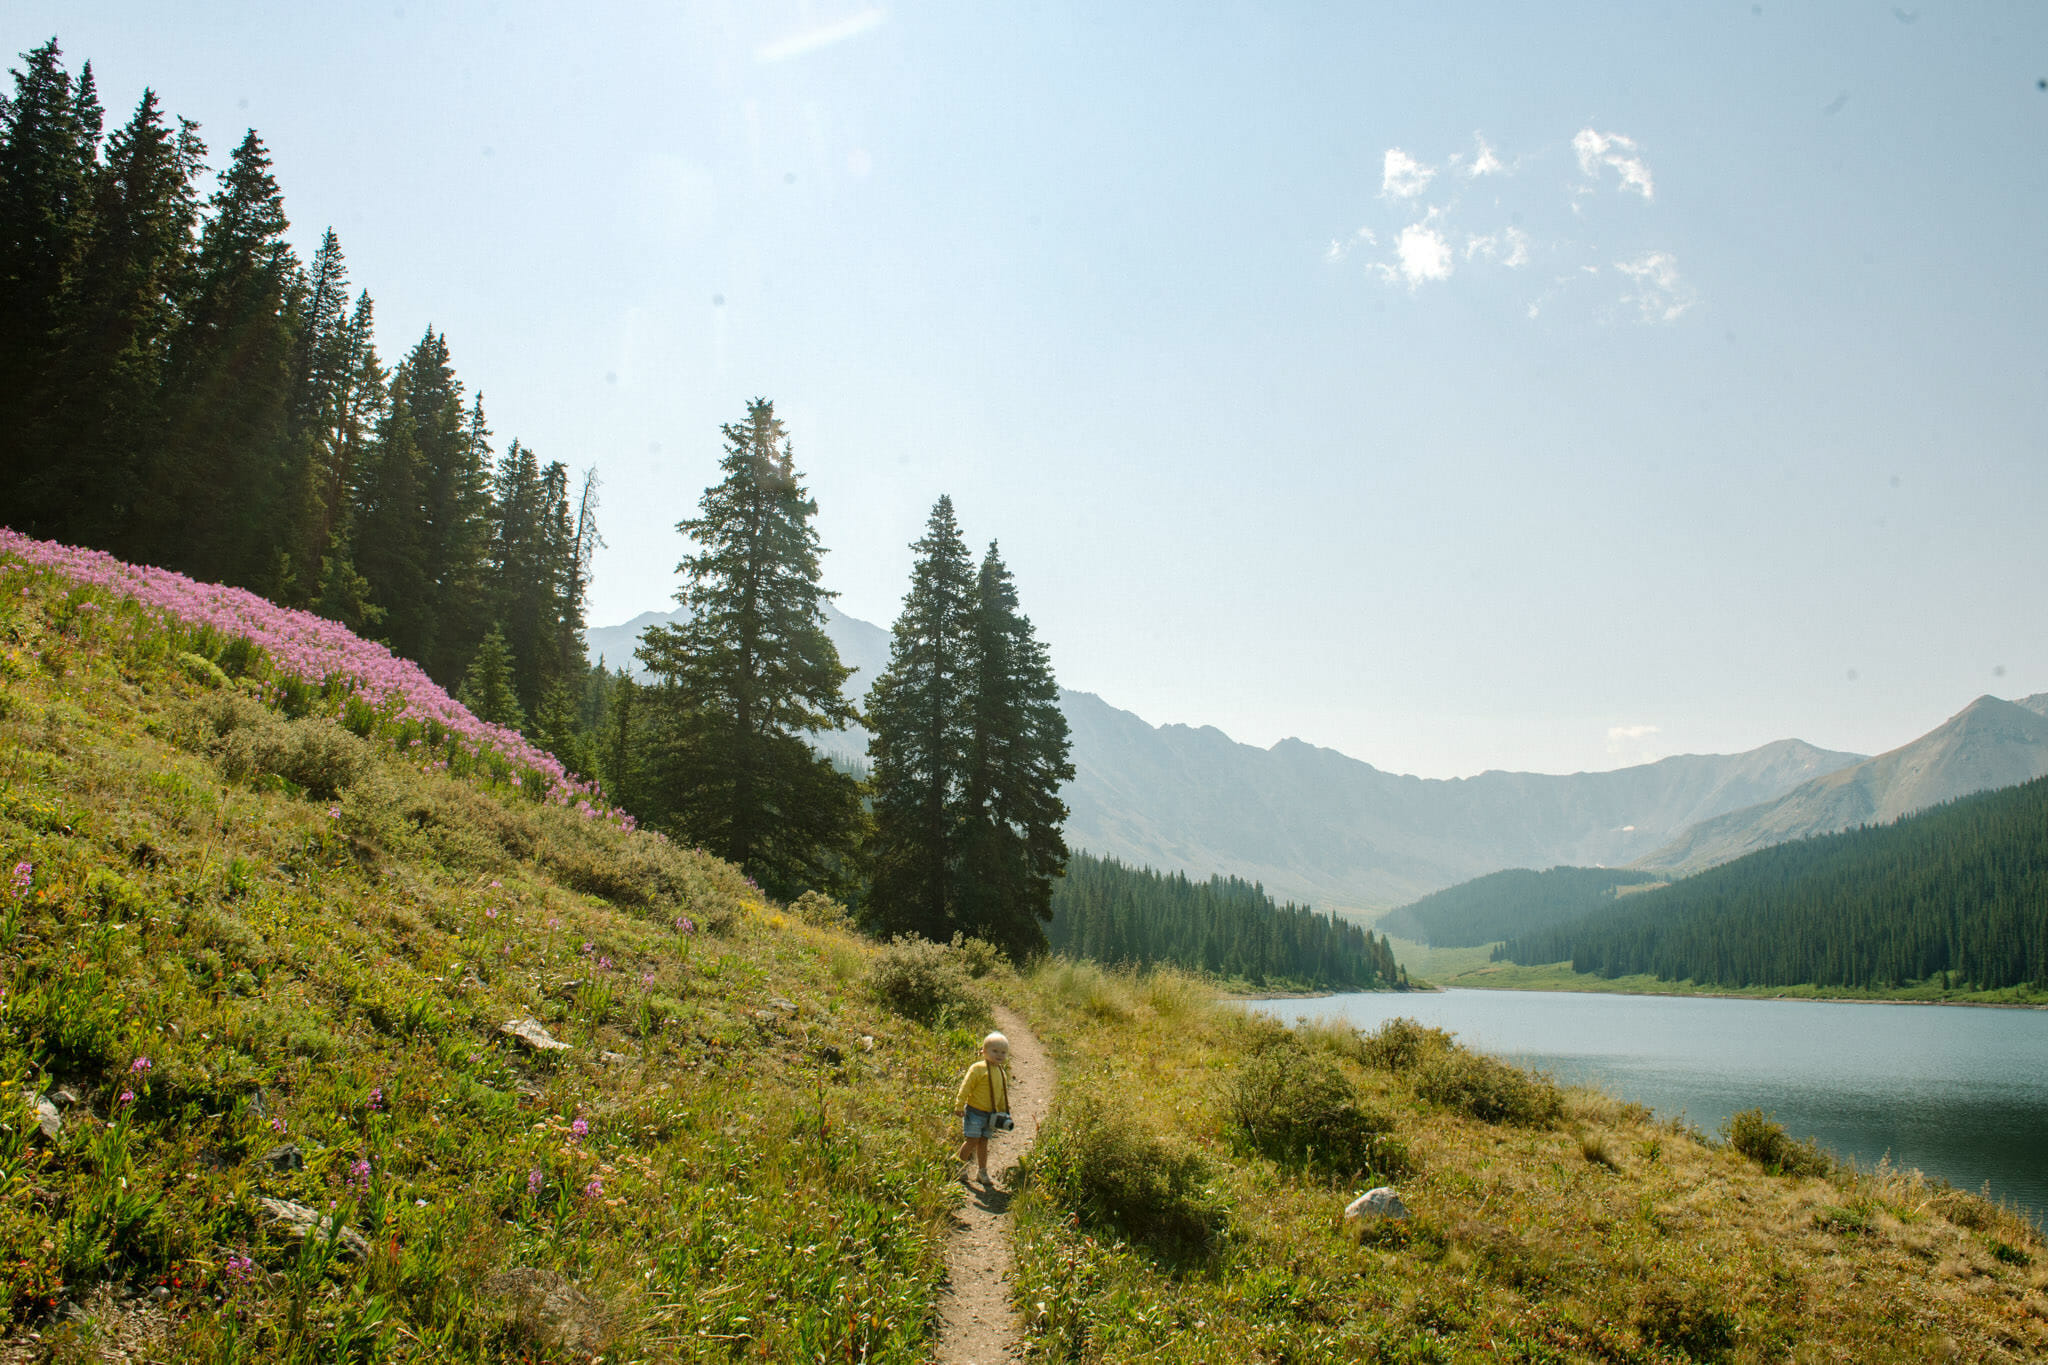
pixel 1958 893
pixel 1104 910
pixel 1505 904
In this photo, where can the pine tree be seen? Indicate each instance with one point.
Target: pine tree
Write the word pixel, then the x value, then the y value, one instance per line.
pixel 923 738
pixel 120 312
pixel 487 688
pixel 49 147
pixel 1012 845
pixel 751 673
pixel 226 474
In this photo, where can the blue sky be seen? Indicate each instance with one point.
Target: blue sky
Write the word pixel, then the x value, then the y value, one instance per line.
pixel 1455 386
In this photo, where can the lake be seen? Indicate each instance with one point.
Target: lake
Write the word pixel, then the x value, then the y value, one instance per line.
pixel 1960 1093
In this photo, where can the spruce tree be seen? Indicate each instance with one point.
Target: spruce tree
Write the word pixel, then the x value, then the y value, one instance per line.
pixel 49 144
pixel 487 688
pixel 751 673
pixel 218 497
pixel 922 738
pixel 120 312
pixel 1012 847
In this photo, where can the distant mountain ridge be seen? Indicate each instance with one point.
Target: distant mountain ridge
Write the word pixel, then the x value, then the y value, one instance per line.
pixel 1988 744
pixel 1318 827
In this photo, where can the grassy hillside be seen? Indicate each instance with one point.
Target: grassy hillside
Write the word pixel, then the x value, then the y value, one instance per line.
pixel 1184 1204
pixel 258 939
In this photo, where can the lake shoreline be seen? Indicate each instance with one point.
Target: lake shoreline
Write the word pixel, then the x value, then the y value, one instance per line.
pixel 1731 995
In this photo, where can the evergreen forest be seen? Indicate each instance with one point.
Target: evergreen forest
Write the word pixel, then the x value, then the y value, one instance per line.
pixel 1225 926
pixel 1957 894
pixel 1503 904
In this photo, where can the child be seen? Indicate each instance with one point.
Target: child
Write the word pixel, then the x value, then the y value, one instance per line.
pixel 984 1091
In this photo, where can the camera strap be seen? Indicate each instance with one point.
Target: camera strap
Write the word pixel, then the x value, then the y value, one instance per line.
pixel 1003 1104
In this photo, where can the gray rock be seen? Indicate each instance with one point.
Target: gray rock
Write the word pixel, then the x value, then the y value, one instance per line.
pixel 49 1122
pixel 867 1042
pixel 786 1006
pixel 285 1158
pixel 1374 1205
pixel 66 1097
pixel 613 1058
pixel 529 1034
pixel 302 1222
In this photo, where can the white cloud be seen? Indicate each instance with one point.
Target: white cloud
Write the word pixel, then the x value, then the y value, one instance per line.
pixel 1402 176
pixel 1340 247
pixel 1424 254
pixel 1510 247
pixel 1613 150
pixel 1632 743
pixel 1658 292
pixel 1619 732
pixel 1486 163
pixel 823 36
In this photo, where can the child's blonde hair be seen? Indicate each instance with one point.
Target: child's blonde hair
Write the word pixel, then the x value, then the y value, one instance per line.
pixel 998 1042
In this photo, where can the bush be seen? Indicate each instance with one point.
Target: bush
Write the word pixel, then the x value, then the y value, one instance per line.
pixel 1686 1317
pixel 1094 1161
pixel 1753 1133
pixel 978 955
pixel 925 981
pixel 1399 1044
pixel 815 907
pixel 1488 1090
pixel 1299 1109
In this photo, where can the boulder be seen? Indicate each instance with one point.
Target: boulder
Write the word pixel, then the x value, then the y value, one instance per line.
pixel 285 1158
pixel 529 1034
pixel 49 1123
pixel 300 1221
pixel 1374 1205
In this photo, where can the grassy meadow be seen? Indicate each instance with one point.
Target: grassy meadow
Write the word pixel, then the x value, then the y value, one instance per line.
pixel 254 955
pixel 1185 1204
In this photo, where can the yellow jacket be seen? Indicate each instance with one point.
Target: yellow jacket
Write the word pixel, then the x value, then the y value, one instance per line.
pixel 978 1090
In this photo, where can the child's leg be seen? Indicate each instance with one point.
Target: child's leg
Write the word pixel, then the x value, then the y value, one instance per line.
pixel 981 1155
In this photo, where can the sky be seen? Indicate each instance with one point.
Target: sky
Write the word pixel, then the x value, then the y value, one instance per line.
pixel 1456 386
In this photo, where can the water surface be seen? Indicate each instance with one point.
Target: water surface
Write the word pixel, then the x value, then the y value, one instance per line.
pixel 1960 1093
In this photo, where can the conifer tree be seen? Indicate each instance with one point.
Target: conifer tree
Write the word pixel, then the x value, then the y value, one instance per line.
pixel 487 688
pixel 923 738
pixel 120 311
pixel 751 673
pixel 225 475
pixel 49 145
pixel 1012 847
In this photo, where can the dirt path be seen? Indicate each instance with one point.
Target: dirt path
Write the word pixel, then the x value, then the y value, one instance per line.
pixel 977 1326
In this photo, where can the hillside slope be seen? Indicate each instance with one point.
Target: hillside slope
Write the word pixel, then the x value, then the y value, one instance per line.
pixel 1988 744
pixel 261 940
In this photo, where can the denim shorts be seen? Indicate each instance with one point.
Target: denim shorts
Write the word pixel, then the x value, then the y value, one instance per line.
pixel 975 1123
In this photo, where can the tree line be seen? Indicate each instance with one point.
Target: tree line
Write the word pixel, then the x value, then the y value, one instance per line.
pixel 1105 910
pixel 1956 894
pixel 179 388
pixel 1503 904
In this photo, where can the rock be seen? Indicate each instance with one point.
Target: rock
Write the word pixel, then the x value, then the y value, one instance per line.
pixel 1374 1205
pixel 302 1222
pixel 66 1097
pixel 529 1034
pixel 786 1006
pixel 49 1122
pixel 550 1312
pixel 867 1042
pixel 613 1058
pixel 285 1158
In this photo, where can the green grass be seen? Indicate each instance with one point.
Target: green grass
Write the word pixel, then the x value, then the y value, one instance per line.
pixel 237 931
pixel 1548 1224
pixel 1471 969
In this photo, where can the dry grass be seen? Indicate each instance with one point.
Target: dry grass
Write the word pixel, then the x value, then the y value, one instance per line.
pixel 1585 1231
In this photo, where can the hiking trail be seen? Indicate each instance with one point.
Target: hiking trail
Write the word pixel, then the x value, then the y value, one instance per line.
pixel 976 1324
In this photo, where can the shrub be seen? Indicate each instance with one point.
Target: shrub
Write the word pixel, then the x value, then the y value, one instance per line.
pixel 815 907
pixel 1299 1109
pixel 1093 1160
pixel 1753 1133
pixel 1086 987
pixel 925 981
pixel 978 955
pixel 1486 1089
pixel 1399 1044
